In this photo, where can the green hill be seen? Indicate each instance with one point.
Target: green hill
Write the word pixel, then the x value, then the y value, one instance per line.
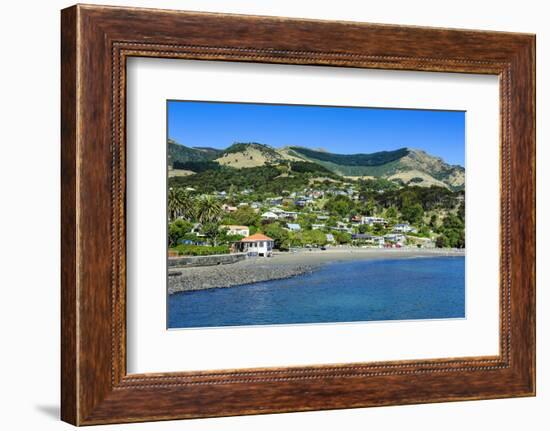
pixel 178 153
pixel 364 160
pixel 404 165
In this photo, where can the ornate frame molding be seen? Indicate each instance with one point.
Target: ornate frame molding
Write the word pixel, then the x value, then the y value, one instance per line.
pixel 96 42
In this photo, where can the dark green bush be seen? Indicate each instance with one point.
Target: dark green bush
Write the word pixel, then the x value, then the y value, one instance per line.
pixel 201 250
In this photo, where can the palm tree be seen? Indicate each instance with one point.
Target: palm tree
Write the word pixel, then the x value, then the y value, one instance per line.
pixel 208 209
pixel 180 204
pixel 174 204
pixel 188 210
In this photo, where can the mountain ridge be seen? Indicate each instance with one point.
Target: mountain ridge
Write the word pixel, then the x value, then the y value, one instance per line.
pixel 404 165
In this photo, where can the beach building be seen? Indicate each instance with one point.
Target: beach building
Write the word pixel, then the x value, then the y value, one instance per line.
pixel 233 229
pixel 368 239
pixel 256 245
pixel 397 238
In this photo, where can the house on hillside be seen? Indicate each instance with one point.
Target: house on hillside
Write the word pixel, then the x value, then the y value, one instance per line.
pixel 368 220
pixel 233 229
pixel 396 238
pixel 269 215
pixel 229 208
pixel 275 201
pixel 302 201
pixel 293 227
pixel 368 239
pixel 403 228
pixel 289 215
pixel 256 245
pixel 341 227
pixel 196 229
pixel 361 236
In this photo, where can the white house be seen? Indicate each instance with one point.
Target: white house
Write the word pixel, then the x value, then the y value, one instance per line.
pixel 275 201
pixel 403 228
pixel 290 215
pixel 396 238
pixel 233 229
pixel 229 208
pixel 373 220
pixel 293 227
pixel 257 245
pixel 269 215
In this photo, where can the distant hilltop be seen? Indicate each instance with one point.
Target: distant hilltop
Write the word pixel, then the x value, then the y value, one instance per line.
pixel 405 166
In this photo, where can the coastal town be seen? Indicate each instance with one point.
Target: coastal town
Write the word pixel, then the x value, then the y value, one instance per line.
pixel 326 216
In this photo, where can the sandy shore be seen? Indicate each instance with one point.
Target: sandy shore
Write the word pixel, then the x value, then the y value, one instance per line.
pixel 353 253
pixel 284 265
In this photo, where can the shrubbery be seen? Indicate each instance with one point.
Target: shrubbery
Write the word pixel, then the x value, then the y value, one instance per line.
pixel 199 250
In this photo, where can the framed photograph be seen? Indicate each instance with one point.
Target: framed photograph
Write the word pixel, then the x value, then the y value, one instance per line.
pixel 267 215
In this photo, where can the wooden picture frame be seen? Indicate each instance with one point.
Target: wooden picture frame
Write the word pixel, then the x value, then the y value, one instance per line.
pixel 96 41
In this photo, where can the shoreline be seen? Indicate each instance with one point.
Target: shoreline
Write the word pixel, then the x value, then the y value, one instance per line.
pixel 285 265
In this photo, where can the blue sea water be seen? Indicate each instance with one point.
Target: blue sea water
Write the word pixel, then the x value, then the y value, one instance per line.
pixel 400 289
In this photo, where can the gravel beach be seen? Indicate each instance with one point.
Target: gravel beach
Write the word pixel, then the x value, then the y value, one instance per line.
pixel 284 265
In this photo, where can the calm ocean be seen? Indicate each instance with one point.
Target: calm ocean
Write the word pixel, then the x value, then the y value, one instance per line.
pixel 421 288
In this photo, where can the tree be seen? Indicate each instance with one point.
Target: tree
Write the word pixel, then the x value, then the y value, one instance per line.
pixel 246 216
pixel 177 231
pixel 314 237
pixel 341 205
pixel 342 237
pixel 279 235
pixel 212 232
pixel 364 228
pixel 208 209
pixel 413 213
pixel 452 222
pixel 391 213
pixel 180 204
pixel 368 207
pixel 433 221
pixel 441 242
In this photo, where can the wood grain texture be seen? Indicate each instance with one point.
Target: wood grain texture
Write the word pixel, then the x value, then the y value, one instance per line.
pixel 96 41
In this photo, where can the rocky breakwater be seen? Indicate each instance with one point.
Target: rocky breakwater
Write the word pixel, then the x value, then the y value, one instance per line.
pixel 211 277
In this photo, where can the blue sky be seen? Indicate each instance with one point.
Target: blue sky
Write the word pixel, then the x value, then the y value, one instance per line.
pixel 336 129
